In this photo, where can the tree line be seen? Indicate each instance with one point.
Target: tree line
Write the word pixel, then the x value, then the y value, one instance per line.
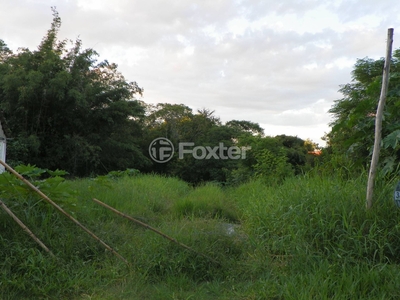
pixel 66 110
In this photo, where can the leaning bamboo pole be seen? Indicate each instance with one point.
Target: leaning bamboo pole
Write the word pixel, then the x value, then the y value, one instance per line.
pixel 41 194
pixel 378 121
pixel 25 228
pixel 154 230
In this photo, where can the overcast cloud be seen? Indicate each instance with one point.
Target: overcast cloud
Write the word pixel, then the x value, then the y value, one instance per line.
pixel 277 63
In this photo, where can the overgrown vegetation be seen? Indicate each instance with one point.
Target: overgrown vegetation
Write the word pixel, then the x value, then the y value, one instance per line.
pixel 354 115
pixel 299 239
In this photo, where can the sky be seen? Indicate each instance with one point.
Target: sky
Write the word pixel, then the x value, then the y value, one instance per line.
pixel 276 63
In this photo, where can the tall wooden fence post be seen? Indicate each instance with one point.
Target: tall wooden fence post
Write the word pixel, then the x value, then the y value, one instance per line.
pixel 378 120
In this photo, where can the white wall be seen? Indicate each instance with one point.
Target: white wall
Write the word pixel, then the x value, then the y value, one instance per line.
pixel 2 148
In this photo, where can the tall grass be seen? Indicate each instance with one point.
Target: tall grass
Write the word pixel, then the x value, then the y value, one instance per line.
pixel 317 229
pixel 307 238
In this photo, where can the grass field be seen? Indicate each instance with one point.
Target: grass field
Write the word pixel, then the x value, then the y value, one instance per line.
pixel 308 238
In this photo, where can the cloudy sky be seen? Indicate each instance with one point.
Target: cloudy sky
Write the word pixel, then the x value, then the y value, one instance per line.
pixel 277 63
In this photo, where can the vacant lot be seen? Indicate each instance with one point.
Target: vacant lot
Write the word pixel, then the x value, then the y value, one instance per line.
pixel 308 238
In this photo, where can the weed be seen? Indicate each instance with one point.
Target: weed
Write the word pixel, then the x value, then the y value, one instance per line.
pixel 308 237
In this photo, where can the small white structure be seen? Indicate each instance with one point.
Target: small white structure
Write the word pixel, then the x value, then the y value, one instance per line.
pixel 2 147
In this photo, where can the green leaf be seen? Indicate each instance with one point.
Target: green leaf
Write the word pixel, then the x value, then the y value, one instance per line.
pixel 388 165
pixel 392 140
pixel 57 173
pixel 30 171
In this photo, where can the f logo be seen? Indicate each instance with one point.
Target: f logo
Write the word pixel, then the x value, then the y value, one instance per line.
pixel 161 150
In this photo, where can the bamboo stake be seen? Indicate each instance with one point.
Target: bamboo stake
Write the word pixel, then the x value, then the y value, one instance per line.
pixel 26 229
pixel 153 229
pixel 378 120
pixel 63 211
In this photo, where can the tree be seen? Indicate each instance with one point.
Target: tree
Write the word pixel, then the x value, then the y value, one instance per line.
pixel 266 158
pixel 245 127
pixel 165 119
pixel 272 158
pixel 66 110
pixel 178 123
pixel 295 151
pixel 352 131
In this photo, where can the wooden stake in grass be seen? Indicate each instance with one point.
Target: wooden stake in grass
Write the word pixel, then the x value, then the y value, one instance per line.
pixel 155 230
pixel 62 211
pixel 378 120
pixel 26 229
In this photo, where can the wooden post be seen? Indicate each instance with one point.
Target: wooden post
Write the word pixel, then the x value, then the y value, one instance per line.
pixel 41 194
pixel 378 120
pixel 26 229
pixel 154 230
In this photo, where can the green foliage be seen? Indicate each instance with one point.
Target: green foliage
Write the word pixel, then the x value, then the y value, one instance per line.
pixel 66 110
pixel 296 150
pixel 271 158
pixel 306 236
pixel 354 115
pixel 245 127
pixel 392 139
pixel 207 201
pixel 314 228
pixel 272 168
pixel 119 174
pixel 49 182
pixel 179 124
pixel 307 216
pixel 264 155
